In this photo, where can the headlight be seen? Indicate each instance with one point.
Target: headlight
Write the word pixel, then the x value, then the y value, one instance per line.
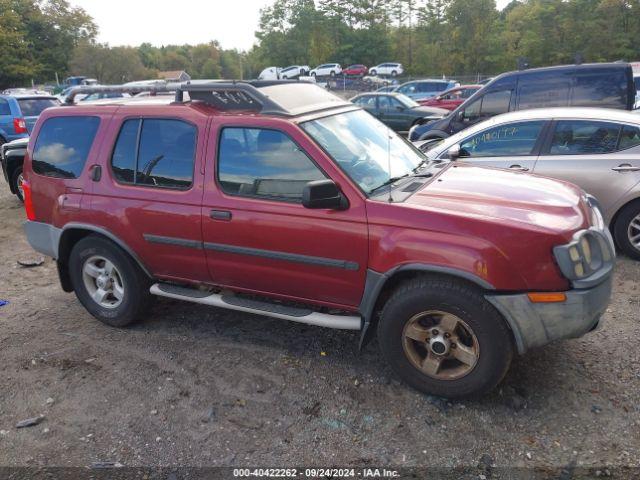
pixel 588 253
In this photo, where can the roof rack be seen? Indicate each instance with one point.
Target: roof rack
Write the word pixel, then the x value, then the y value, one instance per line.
pixel 231 95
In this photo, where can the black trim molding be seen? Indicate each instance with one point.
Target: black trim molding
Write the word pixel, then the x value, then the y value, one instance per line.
pixel 284 256
pixel 178 242
pixel 254 252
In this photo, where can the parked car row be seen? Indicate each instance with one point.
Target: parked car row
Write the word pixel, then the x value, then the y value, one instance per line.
pixel 331 70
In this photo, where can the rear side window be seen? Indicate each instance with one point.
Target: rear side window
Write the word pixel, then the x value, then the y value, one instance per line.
pixel 155 153
pixel 606 89
pixel 32 107
pixel 263 163
pixel 580 137
pixel 629 138
pixel 537 95
pixel 63 146
pixel 4 107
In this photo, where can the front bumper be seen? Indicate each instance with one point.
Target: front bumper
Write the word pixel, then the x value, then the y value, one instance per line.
pixel 537 324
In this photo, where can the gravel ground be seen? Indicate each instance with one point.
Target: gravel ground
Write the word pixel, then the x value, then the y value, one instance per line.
pixel 199 386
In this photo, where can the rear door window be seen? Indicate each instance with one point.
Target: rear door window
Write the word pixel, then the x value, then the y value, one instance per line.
pixel 581 137
pixel 63 146
pixel 629 138
pixel 155 152
pixel 505 140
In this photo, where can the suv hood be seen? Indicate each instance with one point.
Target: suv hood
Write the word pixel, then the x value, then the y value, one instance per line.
pixel 503 196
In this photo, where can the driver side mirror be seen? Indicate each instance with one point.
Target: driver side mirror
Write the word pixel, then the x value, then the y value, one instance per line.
pixel 321 194
pixel 454 152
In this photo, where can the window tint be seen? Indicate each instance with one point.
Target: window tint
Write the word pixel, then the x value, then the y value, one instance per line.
pixel 32 107
pixel 629 138
pixel 263 163
pixel 573 137
pixel 604 89
pixel 4 107
pixel 123 161
pixel 433 86
pixel 505 140
pixel 63 145
pixel 543 94
pixel 495 103
pixel 489 105
pixel 164 157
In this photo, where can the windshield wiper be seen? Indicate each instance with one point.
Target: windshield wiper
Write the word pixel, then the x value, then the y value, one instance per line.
pixel 393 180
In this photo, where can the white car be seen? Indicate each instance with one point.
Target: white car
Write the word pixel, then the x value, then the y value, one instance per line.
pixel 270 73
pixel 294 71
pixel 326 70
pixel 393 69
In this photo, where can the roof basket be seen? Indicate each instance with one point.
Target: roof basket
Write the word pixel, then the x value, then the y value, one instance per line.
pixel 222 94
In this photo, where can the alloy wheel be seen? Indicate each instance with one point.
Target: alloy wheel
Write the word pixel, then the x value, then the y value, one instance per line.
pixel 103 281
pixel 440 345
pixel 634 232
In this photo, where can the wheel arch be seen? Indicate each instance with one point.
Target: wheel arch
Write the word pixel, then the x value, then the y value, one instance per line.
pixel 616 215
pixel 379 286
pixel 13 160
pixel 74 232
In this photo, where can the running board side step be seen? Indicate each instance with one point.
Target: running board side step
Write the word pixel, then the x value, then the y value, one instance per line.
pixel 231 302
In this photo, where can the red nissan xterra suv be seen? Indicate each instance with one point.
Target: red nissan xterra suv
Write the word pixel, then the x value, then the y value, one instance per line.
pixel 280 199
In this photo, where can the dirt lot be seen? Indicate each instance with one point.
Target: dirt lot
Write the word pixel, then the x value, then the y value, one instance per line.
pixel 203 387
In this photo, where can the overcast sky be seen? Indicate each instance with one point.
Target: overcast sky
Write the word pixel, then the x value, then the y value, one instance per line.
pixel 132 22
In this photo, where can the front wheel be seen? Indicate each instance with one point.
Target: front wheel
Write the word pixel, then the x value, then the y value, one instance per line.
pixel 17 181
pixel 394 73
pixel 627 230
pixel 108 283
pixel 373 73
pixel 443 338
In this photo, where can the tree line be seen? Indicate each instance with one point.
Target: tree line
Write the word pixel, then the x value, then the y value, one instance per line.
pixel 448 37
pixel 42 38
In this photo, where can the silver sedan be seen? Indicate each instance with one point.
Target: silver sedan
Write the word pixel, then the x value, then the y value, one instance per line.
pixel 597 149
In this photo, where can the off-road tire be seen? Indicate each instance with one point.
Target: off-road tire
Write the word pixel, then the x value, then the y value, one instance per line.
pixel 136 300
pixel 467 303
pixel 621 229
pixel 15 180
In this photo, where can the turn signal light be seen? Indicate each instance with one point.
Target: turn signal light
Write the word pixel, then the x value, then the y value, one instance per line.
pixel 28 201
pixel 548 297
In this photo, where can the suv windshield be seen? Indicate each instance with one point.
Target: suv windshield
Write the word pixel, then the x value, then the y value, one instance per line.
pixel 366 149
pixel 32 107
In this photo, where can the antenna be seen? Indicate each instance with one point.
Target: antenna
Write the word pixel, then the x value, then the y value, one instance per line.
pixel 389 162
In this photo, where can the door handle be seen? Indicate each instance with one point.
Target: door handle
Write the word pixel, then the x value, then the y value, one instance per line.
pixel 220 215
pixel 519 168
pixel 625 167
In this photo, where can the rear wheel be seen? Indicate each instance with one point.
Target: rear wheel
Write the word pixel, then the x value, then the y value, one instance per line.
pixel 373 73
pixel 443 338
pixel 394 73
pixel 627 230
pixel 108 283
pixel 332 74
pixel 17 180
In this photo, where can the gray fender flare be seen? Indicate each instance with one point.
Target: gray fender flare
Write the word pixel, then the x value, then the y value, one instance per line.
pixel 376 281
